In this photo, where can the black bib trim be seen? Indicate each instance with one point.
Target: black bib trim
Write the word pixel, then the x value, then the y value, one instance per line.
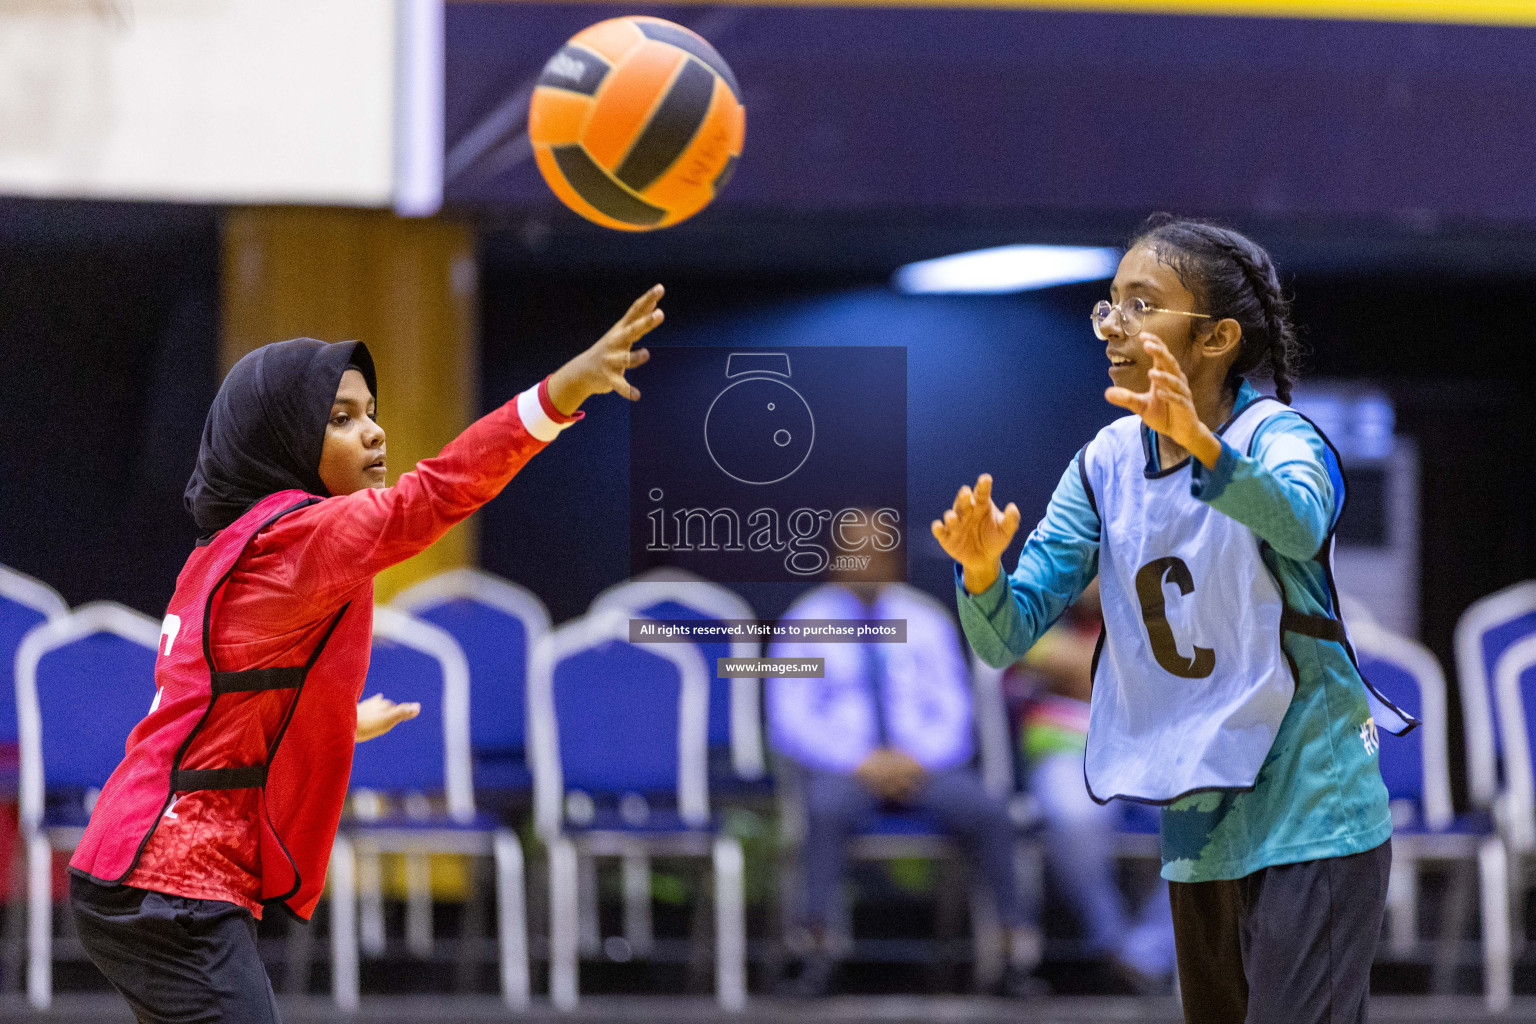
pixel 187 780
pixel 1319 627
pixel 258 679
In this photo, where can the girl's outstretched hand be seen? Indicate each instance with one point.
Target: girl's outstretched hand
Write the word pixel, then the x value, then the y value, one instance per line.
pixel 600 369
pixel 974 533
pixel 1167 405
pixel 378 714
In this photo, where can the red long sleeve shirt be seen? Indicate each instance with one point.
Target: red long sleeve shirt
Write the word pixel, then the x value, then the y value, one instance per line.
pixel 284 592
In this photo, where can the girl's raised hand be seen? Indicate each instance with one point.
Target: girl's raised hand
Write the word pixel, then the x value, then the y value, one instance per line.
pixel 378 714
pixel 974 532
pixel 601 368
pixel 1167 405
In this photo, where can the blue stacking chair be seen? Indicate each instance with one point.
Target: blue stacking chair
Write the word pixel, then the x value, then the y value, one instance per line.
pixel 1416 770
pixel 496 623
pixel 83 681
pixel 736 764
pixel 1489 627
pixel 25 603
pixel 735 705
pixel 422 768
pixel 618 739
pixel 1514 680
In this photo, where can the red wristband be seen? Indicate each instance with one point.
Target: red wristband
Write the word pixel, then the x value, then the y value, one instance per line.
pixel 549 406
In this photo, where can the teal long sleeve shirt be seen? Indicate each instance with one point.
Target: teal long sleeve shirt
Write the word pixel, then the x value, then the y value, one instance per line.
pixel 1319 793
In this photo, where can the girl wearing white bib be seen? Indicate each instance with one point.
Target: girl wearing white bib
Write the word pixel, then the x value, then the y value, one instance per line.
pixel 1225 689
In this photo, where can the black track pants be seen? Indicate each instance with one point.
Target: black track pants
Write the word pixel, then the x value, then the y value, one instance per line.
pixel 1291 943
pixel 175 959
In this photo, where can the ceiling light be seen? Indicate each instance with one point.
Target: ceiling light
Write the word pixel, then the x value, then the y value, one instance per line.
pixel 1007 268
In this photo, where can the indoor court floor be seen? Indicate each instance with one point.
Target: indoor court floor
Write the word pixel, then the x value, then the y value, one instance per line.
pixel 107 1009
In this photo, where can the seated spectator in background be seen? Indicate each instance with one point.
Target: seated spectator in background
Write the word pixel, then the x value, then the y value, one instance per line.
pixel 888 727
pixel 1051 685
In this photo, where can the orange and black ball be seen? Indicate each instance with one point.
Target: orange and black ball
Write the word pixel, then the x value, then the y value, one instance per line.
pixel 636 123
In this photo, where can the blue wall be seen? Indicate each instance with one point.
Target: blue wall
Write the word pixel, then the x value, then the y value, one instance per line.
pixel 1010 385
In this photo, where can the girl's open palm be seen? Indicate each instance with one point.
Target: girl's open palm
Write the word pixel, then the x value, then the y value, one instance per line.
pixel 378 714
pixel 974 531
pixel 615 352
pixel 601 368
pixel 1167 405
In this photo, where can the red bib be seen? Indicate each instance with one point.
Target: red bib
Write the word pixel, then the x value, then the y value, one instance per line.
pixel 302 783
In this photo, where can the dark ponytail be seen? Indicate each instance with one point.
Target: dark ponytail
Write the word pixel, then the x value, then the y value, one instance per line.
pixel 1231 277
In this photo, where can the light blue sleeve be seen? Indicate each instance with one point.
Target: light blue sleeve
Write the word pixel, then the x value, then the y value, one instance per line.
pixel 1059 560
pixel 1286 492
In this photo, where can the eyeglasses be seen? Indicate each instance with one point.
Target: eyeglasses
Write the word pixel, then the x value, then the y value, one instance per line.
pixel 1132 313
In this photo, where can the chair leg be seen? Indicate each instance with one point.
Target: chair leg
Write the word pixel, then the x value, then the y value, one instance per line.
pixel 39 922
pixel 13 938
pixel 564 923
pixel 1402 904
pixel 1026 945
pixel 472 922
pixel 1457 902
pixel 511 920
pixel 987 937
pixel 344 951
pixel 418 905
pixel 590 937
pixel 788 893
pixel 1493 878
pixel 951 883
pixel 370 905
pixel 699 969
pixel 730 925
pixel 638 931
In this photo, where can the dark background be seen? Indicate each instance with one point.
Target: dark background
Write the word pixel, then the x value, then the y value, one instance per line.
pixel 850 453
pixel 109 348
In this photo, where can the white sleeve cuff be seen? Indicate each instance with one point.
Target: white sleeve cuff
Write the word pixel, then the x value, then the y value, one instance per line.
pixel 535 420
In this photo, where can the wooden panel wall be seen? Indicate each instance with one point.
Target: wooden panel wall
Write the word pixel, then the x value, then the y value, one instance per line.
pixel 404 287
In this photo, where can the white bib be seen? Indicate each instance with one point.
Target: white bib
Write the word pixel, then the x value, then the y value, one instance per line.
pixel 1191 681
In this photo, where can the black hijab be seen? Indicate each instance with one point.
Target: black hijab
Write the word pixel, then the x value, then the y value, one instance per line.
pixel 266 428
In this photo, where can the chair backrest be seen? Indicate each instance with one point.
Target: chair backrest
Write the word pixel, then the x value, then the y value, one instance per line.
pixel 1353 610
pixel 414 660
pixel 25 603
pixel 1415 766
pixel 496 624
pixel 83 681
pixel 1488 628
pixel 1514 680
pixel 606 716
pixel 735 705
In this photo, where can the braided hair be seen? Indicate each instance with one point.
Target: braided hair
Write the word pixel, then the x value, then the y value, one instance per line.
pixel 1231 277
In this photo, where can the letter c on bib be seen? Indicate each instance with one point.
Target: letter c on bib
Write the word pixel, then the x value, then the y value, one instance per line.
pixel 1149 589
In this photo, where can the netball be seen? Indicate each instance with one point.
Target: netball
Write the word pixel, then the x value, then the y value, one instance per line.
pixel 637 123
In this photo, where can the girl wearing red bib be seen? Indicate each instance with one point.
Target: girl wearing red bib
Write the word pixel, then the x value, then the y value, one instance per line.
pixel 231 788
